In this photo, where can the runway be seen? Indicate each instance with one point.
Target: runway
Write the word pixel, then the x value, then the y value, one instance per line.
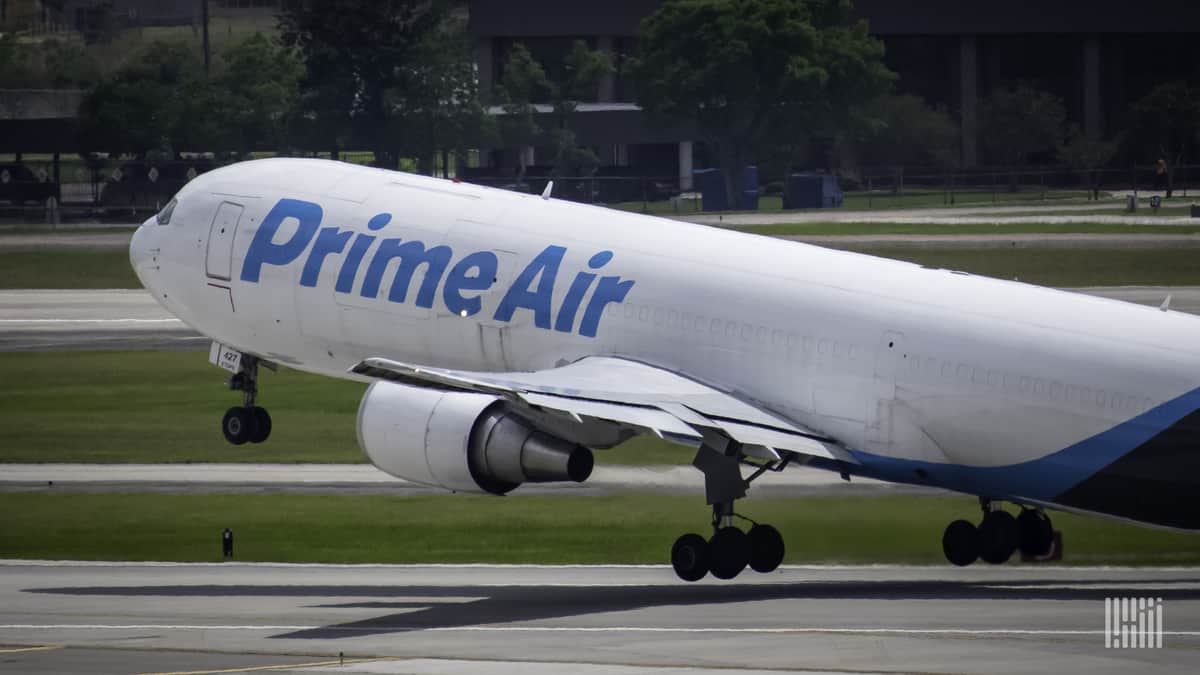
pixel 362 479
pixel 129 618
pixel 46 320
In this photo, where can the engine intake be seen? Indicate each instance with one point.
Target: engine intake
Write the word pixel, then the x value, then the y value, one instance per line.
pixel 461 441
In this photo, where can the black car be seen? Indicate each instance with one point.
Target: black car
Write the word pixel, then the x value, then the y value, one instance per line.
pixel 19 184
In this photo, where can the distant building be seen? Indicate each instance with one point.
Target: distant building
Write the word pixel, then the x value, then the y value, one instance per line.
pixel 1097 55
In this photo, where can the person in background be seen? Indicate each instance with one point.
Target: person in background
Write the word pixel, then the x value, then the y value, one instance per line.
pixel 1162 177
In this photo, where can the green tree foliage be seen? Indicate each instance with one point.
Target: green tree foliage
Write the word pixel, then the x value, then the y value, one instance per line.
pixel 524 80
pixel 376 68
pixel 909 131
pixel 147 104
pixel 1088 155
pixel 45 64
pixel 160 101
pixel 255 92
pixel 758 76
pixel 523 77
pixel 1019 121
pixel 1166 123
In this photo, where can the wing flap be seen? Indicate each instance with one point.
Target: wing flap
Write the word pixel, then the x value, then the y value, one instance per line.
pixel 632 393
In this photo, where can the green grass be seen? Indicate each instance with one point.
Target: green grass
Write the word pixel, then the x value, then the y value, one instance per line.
pixel 150 407
pixel 881 199
pixel 835 229
pixel 66 269
pixel 1061 266
pixel 626 528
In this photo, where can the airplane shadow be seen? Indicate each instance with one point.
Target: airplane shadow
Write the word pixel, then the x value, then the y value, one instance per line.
pixel 500 605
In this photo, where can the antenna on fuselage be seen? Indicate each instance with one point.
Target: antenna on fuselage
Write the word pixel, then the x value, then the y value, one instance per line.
pixel 546 192
pixel 1166 304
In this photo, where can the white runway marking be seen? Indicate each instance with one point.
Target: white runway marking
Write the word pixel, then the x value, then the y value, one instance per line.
pixel 588 629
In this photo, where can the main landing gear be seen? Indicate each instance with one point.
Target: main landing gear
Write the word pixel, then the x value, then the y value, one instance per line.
pixel 247 423
pixel 998 536
pixel 729 550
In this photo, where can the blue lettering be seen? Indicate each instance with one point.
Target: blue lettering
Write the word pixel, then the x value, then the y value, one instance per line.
pixel 544 268
pixel 330 240
pixel 458 281
pixel 610 289
pixel 345 280
pixel 265 251
pixel 565 321
pixel 412 254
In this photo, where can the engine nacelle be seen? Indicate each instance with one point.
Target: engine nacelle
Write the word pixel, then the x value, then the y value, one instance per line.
pixel 461 441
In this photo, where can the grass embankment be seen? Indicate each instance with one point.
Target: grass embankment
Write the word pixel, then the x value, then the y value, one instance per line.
pixel 66 269
pixel 629 528
pixel 1063 267
pixel 1076 265
pixel 151 407
pixel 939 229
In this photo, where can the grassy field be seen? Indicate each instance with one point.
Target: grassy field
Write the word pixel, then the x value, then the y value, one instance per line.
pixel 858 229
pixel 882 199
pixel 146 406
pixel 627 528
pixel 66 269
pixel 1061 266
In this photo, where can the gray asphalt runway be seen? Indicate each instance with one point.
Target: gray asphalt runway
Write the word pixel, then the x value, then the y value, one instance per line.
pixel 362 479
pixel 38 320
pixel 127 618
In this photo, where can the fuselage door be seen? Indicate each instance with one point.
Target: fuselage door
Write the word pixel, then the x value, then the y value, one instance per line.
pixel 218 263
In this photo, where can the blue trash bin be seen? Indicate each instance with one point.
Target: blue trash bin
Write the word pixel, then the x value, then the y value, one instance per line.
pixel 711 185
pixel 748 189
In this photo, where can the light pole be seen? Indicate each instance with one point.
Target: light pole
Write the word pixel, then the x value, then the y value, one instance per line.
pixel 204 21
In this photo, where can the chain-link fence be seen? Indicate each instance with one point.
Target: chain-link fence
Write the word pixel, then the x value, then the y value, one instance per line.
pixel 36 189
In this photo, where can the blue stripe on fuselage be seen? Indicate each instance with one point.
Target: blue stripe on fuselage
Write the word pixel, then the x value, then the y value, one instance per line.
pixel 1041 479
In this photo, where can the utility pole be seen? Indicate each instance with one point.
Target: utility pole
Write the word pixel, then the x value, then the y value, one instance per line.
pixel 204 20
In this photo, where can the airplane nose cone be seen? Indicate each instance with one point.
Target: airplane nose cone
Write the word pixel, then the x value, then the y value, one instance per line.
pixel 141 258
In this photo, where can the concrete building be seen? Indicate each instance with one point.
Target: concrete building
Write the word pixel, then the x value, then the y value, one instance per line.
pixel 1099 56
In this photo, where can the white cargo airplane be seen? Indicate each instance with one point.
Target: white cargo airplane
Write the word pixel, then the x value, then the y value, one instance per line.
pixel 507 334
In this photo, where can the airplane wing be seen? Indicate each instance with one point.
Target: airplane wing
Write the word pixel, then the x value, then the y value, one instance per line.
pixel 667 404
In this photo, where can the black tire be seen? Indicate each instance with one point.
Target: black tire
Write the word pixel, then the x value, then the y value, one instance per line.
pixel 960 543
pixel 262 425
pixel 728 552
pixel 1036 533
pixel 238 425
pixel 689 557
pixel 766 548
pixel 998 537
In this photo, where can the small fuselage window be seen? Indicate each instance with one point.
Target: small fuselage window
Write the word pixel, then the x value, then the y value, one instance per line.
pixel 164 216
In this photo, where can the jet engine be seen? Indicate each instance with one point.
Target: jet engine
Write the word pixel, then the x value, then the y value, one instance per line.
pixel 461 441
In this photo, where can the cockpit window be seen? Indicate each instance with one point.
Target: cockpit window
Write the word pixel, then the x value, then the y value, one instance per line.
pixel 164 216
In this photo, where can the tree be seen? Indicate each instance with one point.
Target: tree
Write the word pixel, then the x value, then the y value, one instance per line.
pixel 1019 121
pixel 524 80
pixel 141 107
pixel 910 131
pixel 1088 155
pixel 1166 122
pixel 255 91
pixel 373 66
pixel 758 74
pixel 523 77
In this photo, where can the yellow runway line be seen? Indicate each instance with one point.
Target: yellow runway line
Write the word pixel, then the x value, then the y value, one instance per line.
pixel 45 648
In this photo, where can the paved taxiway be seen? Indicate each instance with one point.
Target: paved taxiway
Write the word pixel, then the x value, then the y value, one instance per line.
pixel 451 619
pixel 363 479
pixel 131 319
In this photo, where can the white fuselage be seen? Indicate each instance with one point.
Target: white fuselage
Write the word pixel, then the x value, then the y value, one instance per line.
pixel 931 376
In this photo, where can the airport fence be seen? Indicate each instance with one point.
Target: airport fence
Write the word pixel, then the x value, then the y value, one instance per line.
pixel 38 189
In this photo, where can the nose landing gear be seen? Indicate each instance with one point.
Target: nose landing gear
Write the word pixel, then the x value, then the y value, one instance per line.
pixel 247 423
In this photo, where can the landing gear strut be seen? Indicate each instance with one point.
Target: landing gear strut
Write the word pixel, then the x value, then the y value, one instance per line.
pixel 729 550
pixel 997 536
pixel 247 423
